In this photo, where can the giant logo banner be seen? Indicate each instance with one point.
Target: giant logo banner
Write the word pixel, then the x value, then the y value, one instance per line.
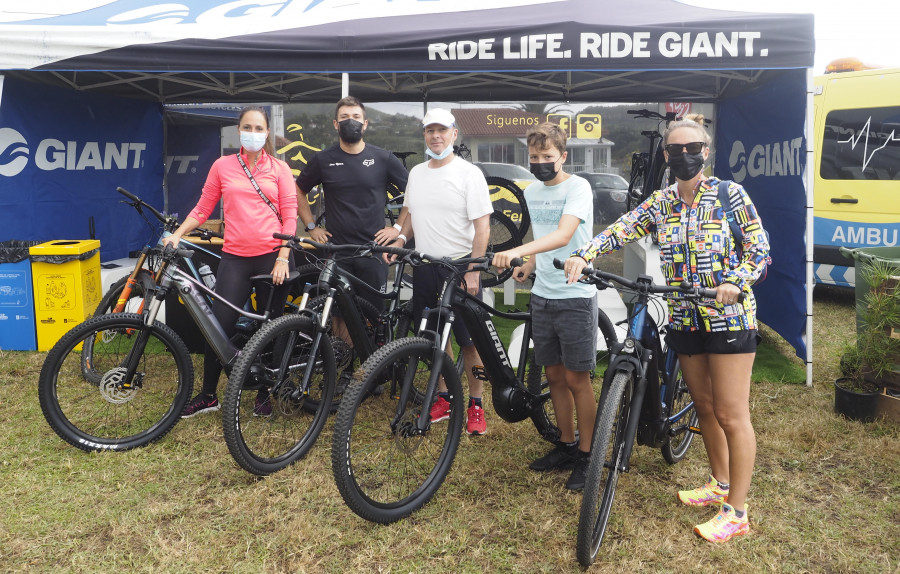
pixel 760 143
pixel 62 155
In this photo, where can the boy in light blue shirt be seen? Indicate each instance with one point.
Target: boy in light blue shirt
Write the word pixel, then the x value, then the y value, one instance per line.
pixel 564 317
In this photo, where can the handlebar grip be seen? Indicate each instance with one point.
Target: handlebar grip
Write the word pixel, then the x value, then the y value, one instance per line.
pixel 711 294
pixel 128 194
pixel 284 236
pixel 516 262
pixel 558 264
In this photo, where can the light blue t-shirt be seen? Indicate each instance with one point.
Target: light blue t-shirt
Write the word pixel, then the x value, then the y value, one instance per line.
pixel 546 205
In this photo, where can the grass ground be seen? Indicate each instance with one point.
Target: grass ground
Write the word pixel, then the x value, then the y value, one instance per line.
pixel 825 497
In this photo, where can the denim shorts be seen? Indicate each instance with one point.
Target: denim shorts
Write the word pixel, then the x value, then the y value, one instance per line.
pixel 565 331
pixel 718 342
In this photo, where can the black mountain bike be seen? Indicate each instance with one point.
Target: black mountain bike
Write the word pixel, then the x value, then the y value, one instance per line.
pixel 142 374
pixel 648 167
pixel 387 458
pixel 644 397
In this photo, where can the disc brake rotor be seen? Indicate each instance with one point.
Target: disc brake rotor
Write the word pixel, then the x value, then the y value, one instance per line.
pixel 114 390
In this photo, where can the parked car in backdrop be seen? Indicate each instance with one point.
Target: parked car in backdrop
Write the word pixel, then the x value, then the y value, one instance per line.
pixel 610 191
pixel 515 173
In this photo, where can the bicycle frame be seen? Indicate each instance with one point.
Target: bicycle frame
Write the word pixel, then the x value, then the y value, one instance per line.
pixel 341 289
pixel 196 296
pixel 641 353
pixel 511 399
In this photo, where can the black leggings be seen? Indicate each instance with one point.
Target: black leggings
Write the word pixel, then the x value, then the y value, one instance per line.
pixel 233 284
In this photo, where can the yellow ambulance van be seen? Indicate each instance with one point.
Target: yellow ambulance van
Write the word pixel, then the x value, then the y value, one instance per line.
pixel 857 165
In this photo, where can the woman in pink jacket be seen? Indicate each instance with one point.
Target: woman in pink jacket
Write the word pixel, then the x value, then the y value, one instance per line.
pixel 252 213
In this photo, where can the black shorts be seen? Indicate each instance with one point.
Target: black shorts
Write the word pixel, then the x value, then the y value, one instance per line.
pixel 718 342
pixel 428 283
pixel 369 270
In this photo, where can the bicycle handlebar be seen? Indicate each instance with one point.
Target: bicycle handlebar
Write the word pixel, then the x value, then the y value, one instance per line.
pixel 293 240
pixel 602 279
pixel 137 201
pixel 651 115
pixel 411 255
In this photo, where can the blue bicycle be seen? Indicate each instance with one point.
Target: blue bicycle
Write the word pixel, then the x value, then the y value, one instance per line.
pixel 644 397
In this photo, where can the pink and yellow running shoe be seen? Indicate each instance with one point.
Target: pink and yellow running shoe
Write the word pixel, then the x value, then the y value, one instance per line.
pixel 724 526
pixel 709 493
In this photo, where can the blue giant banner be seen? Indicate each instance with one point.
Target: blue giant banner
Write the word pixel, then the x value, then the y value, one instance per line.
pixel 764 149
pixel 191 150
pixel 62 155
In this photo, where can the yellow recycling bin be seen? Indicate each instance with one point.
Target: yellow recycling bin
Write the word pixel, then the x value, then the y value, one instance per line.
pixel 67 288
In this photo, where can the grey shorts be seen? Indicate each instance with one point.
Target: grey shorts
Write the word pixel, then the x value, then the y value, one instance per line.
pixel 565 331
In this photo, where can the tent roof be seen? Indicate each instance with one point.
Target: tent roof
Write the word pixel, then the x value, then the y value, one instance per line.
pixel 443 50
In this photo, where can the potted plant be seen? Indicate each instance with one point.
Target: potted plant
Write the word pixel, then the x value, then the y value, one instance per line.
pixel 854 397
pixel 878 339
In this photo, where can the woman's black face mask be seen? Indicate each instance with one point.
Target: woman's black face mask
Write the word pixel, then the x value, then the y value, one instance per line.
pixel 685 166
pixel 350 130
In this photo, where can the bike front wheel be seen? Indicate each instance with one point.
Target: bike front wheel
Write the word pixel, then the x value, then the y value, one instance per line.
pixel 115 412
pixel 266 421
pixel 384 467
pixel 679 398
pixel 607 450
pixel 134 303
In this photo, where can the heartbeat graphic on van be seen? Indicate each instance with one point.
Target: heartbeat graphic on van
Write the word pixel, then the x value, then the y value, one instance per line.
pixel 864 134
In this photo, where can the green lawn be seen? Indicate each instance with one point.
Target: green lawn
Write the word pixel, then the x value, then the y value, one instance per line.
pixel 825 496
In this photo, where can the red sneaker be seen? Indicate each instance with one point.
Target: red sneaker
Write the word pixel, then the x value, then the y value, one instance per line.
pixel 440 410
pixel 475 423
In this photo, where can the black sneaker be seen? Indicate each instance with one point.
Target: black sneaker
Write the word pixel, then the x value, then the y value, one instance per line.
pixel 576 479
pixel 561 457
pixel 343 382
pixel 202 403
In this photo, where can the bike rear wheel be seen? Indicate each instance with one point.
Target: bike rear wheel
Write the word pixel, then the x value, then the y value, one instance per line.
pixel 638 183
pixel 678 398
pixel 383 468
pixel 111 413
pixel 607 449
pixel 504 235
pixel 509 199
pixel 266 421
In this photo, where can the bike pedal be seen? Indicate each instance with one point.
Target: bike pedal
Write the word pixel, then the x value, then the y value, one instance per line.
pixel 479 373
pixel 695 430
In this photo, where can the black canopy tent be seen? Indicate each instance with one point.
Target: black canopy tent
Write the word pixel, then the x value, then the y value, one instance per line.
pixel 441 50
pixel 569 50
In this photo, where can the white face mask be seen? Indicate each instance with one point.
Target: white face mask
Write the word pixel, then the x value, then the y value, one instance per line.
pixel 439 156
pixel 253 141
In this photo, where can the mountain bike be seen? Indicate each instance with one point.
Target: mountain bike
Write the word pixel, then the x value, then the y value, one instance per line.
pixel 146 375
pixel 387 458
pixel 644 398
pixel 131 293
pixel 647 168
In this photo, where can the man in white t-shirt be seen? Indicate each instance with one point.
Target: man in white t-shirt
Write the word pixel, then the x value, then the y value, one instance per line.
pixel 449 208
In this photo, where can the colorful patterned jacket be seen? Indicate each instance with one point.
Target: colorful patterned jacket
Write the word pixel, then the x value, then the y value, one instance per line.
pixel 695 243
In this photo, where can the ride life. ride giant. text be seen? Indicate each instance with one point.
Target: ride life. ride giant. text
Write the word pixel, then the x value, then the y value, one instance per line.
pixel 604 45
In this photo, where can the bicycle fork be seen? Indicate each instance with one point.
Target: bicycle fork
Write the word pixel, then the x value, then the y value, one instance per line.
pixel 423 422
pixel 130 364
pixel 634 415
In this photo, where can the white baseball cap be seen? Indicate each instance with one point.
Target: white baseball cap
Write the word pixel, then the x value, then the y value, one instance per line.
pixel 439 116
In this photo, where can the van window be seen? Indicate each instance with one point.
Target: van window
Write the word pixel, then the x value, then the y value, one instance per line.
pixel 861 144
